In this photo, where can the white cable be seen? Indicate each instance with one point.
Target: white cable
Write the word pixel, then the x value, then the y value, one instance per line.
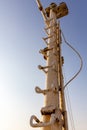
pixel 81 62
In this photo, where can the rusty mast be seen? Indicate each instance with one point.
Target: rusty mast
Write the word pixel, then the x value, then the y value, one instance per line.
pixel 54 114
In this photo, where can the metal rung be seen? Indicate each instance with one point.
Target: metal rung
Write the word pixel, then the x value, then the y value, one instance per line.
pixel 50 42
pixel 50 27
pixel 38 90
pixel 44 51
pixel 48 110
pixel 48 33
pixel 46 42
pixel 47 37
pixel 48 20
pixel 43 67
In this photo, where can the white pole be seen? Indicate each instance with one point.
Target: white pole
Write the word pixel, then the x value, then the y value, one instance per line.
pixel 54 116
pixel 52 97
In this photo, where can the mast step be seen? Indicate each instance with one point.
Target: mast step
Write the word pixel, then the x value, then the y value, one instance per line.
pixel 50 27
pixel 50 36
pixel 48 110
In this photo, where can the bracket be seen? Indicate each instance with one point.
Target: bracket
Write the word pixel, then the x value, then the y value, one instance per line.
pixel 55 117
pixel 44 52
pixel 44 68
pixel 39 90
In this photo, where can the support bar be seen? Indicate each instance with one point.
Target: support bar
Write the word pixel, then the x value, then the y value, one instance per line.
pixel 42 10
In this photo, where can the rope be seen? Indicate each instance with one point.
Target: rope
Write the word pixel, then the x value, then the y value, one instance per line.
pixel 81 62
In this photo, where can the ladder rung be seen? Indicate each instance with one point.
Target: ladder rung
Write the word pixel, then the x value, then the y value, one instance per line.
pixel 46 31
pixel 48 110
pixel 50 42
pixel 50 27
pixel 48 20
pixel 46 42
pixel 39 90
pixel 45 50
pixel 48 37
pixel 43 67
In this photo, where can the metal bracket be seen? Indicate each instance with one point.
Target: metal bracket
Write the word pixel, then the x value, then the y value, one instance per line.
pixel 55 117
pixel 41 124
pixel 46 38
pixel 47 28
pixel 44 68
pixel 44 52
pixel 39 90
pixel 48 110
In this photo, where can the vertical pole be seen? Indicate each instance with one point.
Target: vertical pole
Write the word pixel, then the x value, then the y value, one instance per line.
pixel 54 77
pixel 54 116
pixel 52 98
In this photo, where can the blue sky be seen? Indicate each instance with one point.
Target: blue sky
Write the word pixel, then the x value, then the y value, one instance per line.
pixel 21 32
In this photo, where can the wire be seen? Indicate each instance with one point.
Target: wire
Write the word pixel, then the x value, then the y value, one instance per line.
pixel 68 103
pixel 81 62
pixel 67 95
pixel 70 109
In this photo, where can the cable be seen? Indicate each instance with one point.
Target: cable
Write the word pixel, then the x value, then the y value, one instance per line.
pixel 68 103
pixel 67 95
pixel 70 109
pixel 81 62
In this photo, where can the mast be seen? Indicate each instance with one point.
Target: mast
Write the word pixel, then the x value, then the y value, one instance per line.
pixel 54 115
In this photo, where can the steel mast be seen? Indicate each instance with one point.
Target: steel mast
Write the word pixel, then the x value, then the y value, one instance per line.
pixel 54 115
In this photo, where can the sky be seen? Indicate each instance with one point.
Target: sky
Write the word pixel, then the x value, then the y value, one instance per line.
pixel 21 32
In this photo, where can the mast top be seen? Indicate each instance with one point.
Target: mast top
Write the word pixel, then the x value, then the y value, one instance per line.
pixel 60 10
